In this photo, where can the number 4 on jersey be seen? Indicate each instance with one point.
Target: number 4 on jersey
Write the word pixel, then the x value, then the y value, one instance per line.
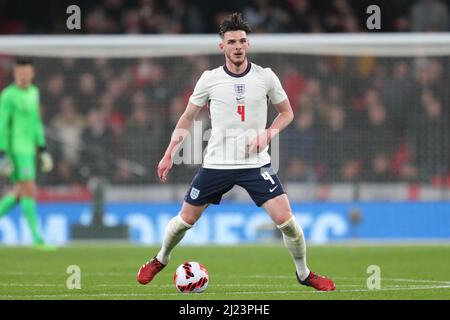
pixel 241 111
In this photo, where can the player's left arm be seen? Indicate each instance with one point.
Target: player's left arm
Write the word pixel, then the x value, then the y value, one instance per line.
pixel 280 101
pixel 44 156
pixel 40 135
pixel 284 118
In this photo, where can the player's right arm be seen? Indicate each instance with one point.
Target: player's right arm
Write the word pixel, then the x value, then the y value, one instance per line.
pixel 180 132
pixel 198 99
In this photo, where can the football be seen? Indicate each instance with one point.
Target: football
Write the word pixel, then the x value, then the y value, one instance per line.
pixel 191 276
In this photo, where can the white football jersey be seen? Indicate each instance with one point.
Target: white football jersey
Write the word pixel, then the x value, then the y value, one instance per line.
pixel 238 109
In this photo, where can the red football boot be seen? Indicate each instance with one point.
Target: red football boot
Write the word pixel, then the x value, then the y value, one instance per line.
pixel 149 270
pixel 318 282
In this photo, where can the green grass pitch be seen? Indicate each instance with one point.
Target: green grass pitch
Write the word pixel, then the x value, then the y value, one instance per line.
pixel 236 272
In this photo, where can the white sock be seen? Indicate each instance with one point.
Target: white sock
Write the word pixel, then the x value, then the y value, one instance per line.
pixel 175 230
pixel 294 240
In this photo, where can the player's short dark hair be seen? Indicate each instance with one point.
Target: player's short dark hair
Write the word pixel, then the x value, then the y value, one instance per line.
pixel 24 61
pixel 234 22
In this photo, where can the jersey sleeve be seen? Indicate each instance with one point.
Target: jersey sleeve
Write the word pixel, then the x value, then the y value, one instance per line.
pixel 40 135
pixel 201 94
pixel 276 92
pixel 5 116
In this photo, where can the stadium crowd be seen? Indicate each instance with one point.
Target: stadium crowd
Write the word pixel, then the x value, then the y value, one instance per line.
pixel 203 16
pixel 357 119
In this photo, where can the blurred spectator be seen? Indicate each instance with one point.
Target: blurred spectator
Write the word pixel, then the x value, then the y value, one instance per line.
pixel 115 121
pixel 117 90
pixel 132 22
pixel 429 74
pixel 350 24
pixel 429 15
pixel 113 8
pixel 142 131
pixel 153 19
pixel 177 106
pixel 428 135
pixel 93 21
pixel 402 24
pixel 144 72
pixel 379 169
pixel 157 90
pixel 65 131
pixel 379 143
pixel 96 157
pixel 302 17
pixel 312 97
pixel 335 94
pixel 339 143
pixel 67 127
pixel 201 16
pixel 299 171
pixel 300 142
pixel 380 136
pixel 264 16
pixel 429 77
pixel 52 94
pixel 103 69
pixel 183 17
pixel 339 17
pixel 294 84
pixel 408 172
pixel 87 94
pixel 68 65
pixel 398 87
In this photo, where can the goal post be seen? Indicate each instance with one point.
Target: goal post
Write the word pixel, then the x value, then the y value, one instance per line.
pixel 133 46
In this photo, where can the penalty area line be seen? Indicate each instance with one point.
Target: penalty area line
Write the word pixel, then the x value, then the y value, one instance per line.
pixel 443 282
pixel 106 295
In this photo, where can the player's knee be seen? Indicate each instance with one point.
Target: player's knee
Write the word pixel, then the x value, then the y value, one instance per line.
pixel 27 190
pixel 189 217
pixel 283 217
pixel 190 214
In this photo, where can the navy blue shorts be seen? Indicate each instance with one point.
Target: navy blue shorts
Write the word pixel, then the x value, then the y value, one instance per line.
pixel 209 185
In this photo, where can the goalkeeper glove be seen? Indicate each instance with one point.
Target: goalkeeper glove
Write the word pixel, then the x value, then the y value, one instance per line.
pixel 46 161
pixel 6 167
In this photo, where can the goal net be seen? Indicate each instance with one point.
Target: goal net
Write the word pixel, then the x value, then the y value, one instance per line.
pixel 371 111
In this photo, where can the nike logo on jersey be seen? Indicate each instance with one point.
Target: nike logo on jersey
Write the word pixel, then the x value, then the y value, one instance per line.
pixel 271 190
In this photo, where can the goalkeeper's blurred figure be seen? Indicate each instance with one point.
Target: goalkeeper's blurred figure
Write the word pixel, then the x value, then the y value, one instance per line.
pixel 21 139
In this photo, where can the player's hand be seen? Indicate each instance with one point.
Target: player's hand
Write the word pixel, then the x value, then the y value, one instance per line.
pixel 6 167
pixel 258 143
pixel 164 167
pixel 46 161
